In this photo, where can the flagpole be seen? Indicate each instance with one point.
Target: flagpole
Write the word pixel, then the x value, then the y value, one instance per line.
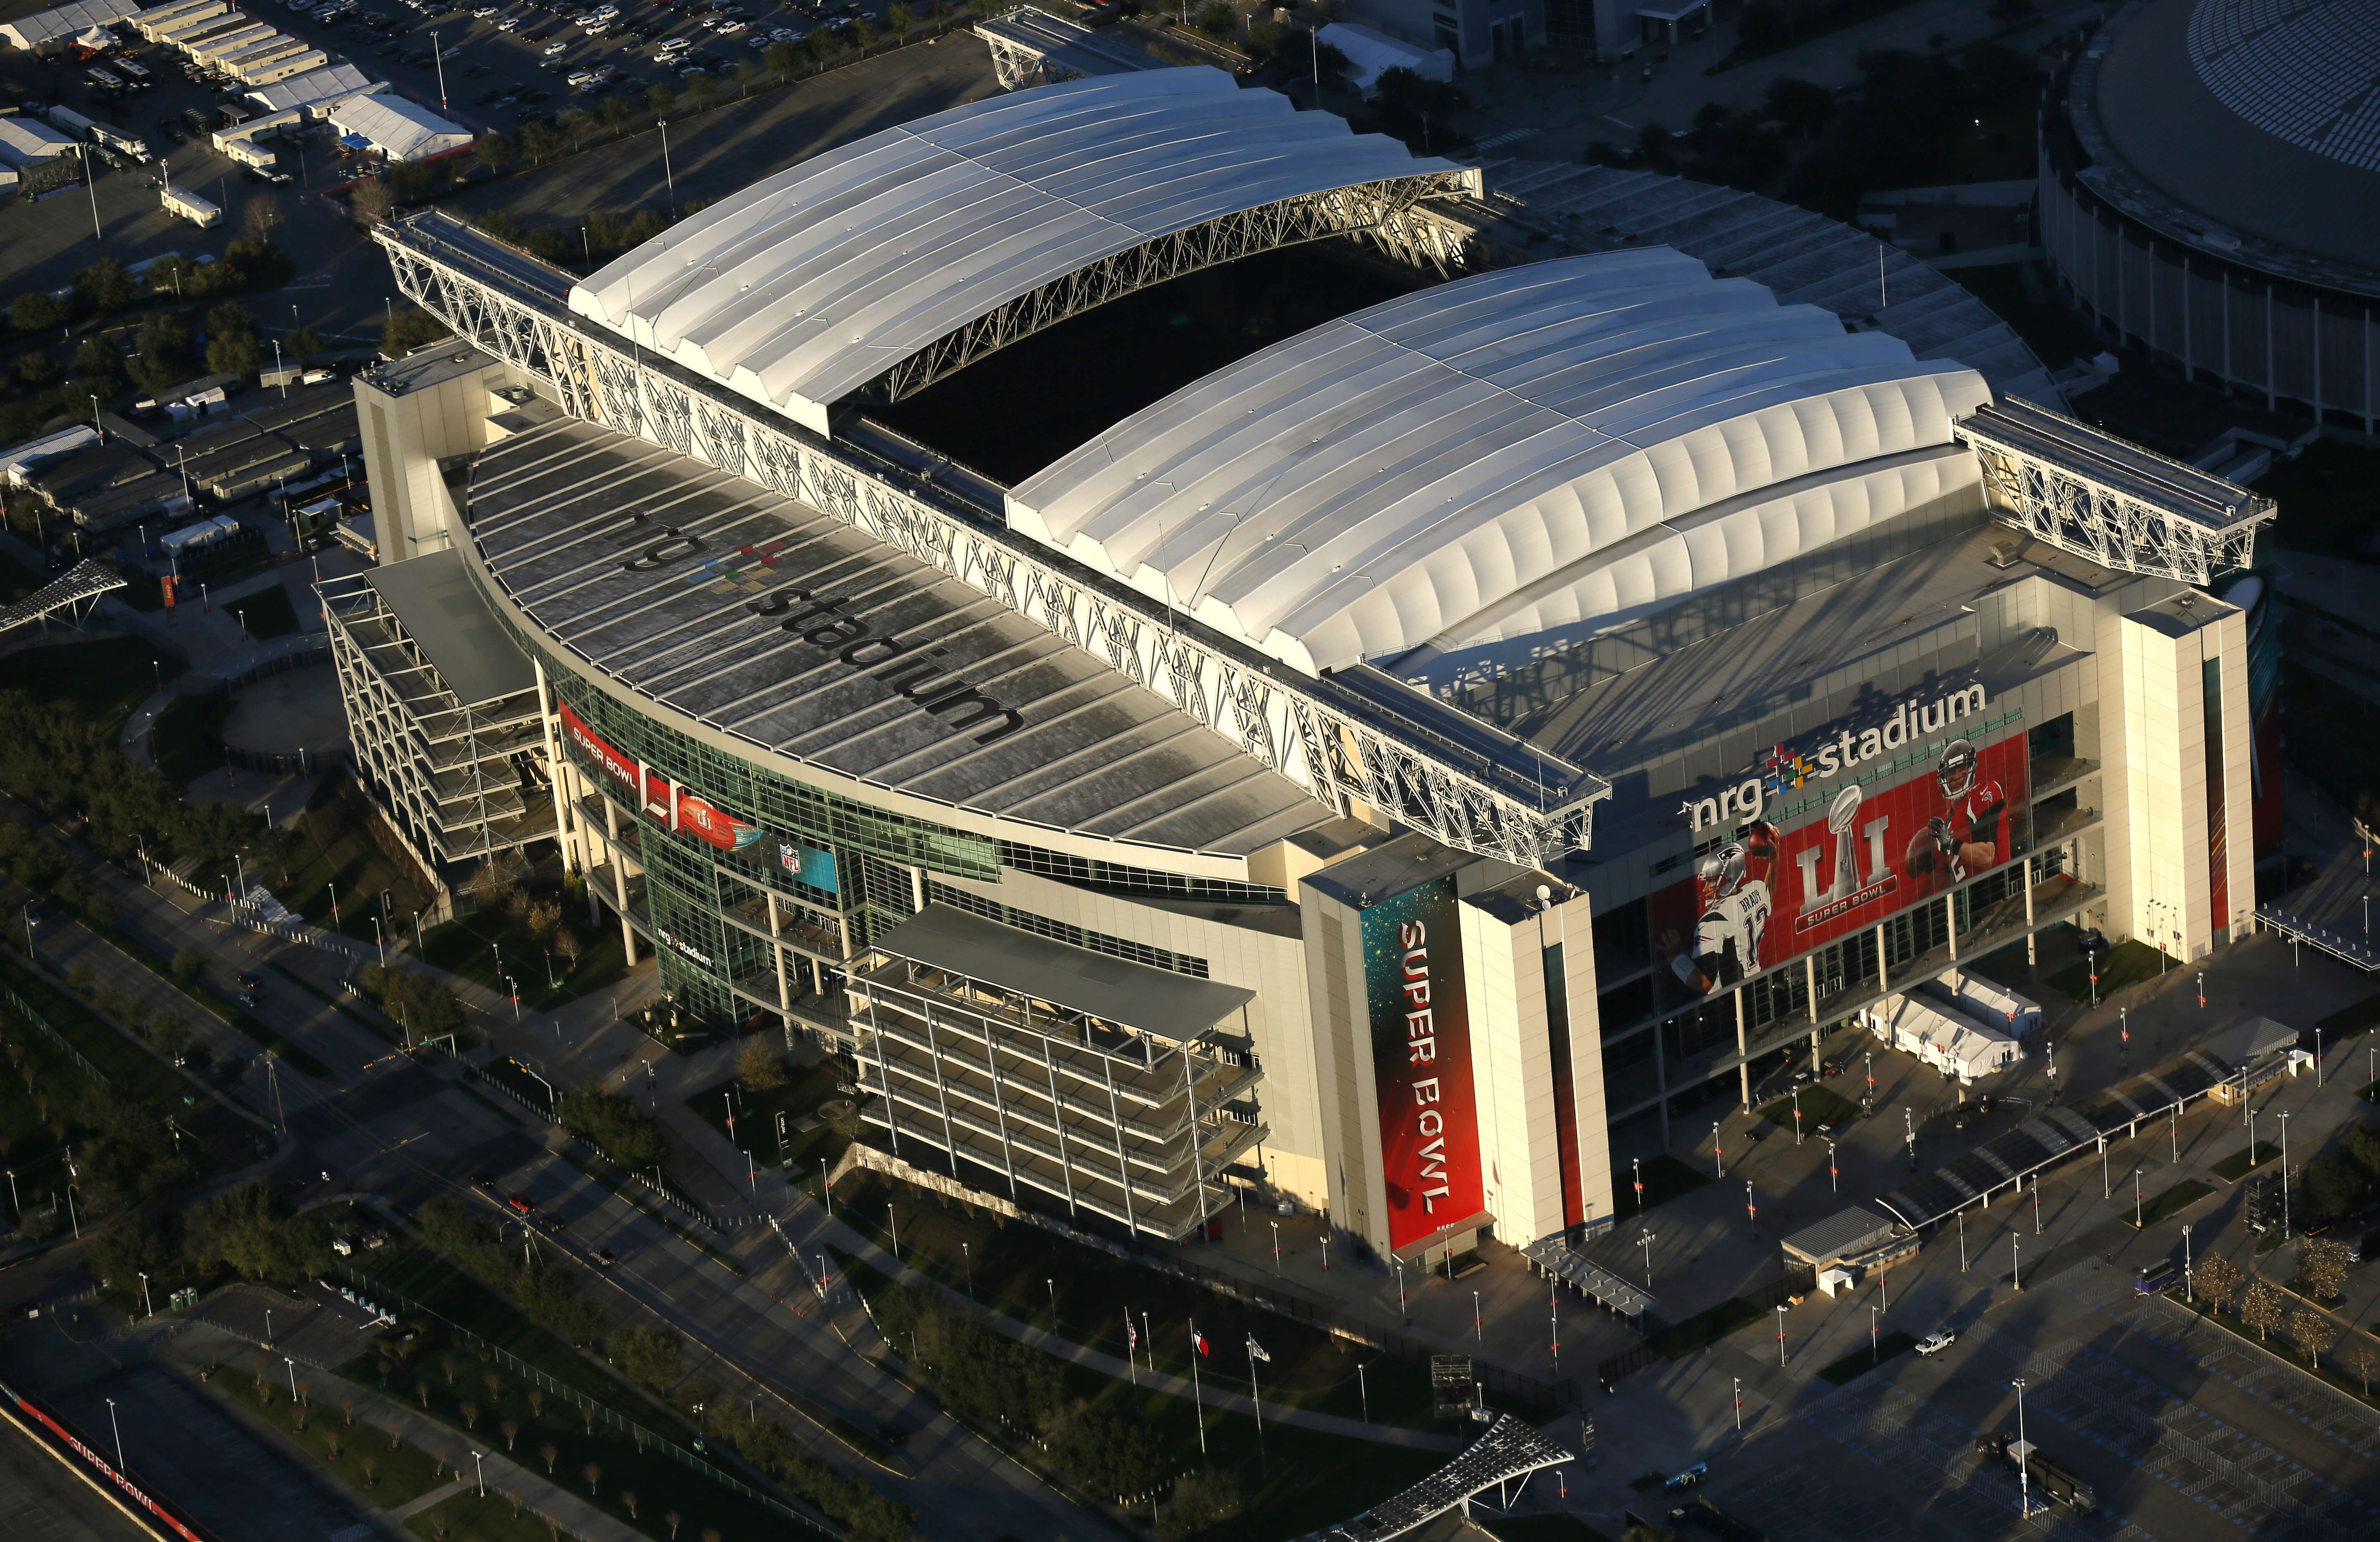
pixel 1198 1396
pixel 1255 1397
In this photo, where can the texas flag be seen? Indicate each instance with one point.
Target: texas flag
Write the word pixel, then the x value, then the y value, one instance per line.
pixel 1131 1334
pixel 1198 1341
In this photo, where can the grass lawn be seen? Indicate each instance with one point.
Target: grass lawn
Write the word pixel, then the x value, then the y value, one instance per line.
pixel 1705 1327
pixel 1665 1179
pixel 339 855
pixel 2235 1167
pixel 1819 1106
pixel 451 1373
pixel 357 1454
pixel 17 580
pixel 2126 963
pixel 1859 1362
pixel 265 614
pixel 756 1117
pixel 1295 1480
pixel 97 682
pixel 179 742
pixel 470 948
pixel 1023 1270
pixel 1540 1528
pixel 2173 1201
pixel 473 1517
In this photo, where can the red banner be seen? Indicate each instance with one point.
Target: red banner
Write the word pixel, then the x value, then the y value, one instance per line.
pixel 1769 895
pixel 1421 1062
pixel 663 802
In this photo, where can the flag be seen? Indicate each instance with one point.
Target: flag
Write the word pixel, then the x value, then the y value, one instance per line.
pixel 1198 1341
pixel 1256 1351
pixel 1131 1334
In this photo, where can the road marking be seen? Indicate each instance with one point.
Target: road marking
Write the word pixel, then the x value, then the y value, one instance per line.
pixel 1510 136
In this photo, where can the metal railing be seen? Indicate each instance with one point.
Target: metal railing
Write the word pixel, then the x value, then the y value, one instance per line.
pixel 24 1009
pixel 646 1438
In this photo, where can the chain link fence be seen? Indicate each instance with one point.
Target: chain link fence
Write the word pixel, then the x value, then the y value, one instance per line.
pixel 24 1009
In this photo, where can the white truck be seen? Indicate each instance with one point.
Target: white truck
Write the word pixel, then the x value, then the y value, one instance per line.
pixel 120 141
pixel 191 207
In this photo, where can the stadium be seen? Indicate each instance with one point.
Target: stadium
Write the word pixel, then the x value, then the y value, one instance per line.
pixel 2210 191
pixel 1137 613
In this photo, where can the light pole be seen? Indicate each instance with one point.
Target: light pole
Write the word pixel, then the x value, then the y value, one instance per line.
pixel 1718 1157
pixel 2106 1185
pixel 380 943
pixel 1797 1116
pixel 1780 1335
pixel 1962 1242
pixel 268 1328
pixel 1276 1250
pixel 1644 1240
pixel 71 1218
pixel 2285 1177
pixel 293 1376
pixel 1739 1405
pixel 118 1430
pixel 2188 1291
pixel 2023 1472
pixel 667 173
pixel 2016 1277
pixel 1751 1211
pixel 1637 1164
pixel 147 1309
pixel 480 1474
pixel 1478 1319
pixel 967 1256
pixel 1874 1344
pixel 1908 1122
pixel 1834 1173
pixel 1401 1291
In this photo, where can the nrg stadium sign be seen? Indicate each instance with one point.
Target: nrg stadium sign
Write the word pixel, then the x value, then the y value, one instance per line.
pixel 1788 770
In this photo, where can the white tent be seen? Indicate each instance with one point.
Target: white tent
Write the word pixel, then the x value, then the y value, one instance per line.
pixel 316 92
pixel 99 40
pixel 24 140
pixel 1372 53
pixel 399 129
pixel 46 31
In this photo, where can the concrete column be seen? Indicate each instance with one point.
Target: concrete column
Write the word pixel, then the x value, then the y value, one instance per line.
pixel 554 773
pixel 1810 978
pixel 916 887
pixel 1881 982
pixel 619 877
pixel 1951 921
pixel 2032 951
pixel 777 953
pixel 1742 1050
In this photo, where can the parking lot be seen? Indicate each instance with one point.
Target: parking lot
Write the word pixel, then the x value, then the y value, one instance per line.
pixel 497 66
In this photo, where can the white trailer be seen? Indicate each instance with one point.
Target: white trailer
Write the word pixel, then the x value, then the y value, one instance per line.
pixel 191 207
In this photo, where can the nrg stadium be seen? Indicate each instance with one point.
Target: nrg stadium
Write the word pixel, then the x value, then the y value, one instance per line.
pixel 1207 651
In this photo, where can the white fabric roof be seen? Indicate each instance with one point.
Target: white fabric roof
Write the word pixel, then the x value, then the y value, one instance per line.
pixel 808 285
pixel 400 129
pixel 316 89
pixel 65 21
pixel 24 138
pixel 1505 453
pixel 1372 53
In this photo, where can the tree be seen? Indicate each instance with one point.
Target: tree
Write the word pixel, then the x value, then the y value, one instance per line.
pixel 511 1428
pixel 1201 1505
pixel 647 1356
pixel 37 311
pixel 407 328
pixel 98 368
pixel 1803 106
pixel 373 200
pixel 496 151
pixel 593 1474
pixel 674 1520
pixel 2260 1309
pixel 162 355
pixel 1216 19
pixel 628 1501
pixel 261 217
pixel 628 1133
pixel 548 1453
pixel 2314 1332
pixel 759 1066
pixel 247 1229
pixel 106 285
pixel 2364 1361
pixel 305 343
pixel 232 346
pixel 2322 1267
pixel 188 967
pixel 416 182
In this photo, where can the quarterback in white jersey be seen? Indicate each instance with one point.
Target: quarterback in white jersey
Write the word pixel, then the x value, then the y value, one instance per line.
pixel 1735 911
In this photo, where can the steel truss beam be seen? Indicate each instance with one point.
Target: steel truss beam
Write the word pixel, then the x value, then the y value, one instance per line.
pixel 1378 211
pixel 1017 67
pixel 1257 705
pixel 2115 526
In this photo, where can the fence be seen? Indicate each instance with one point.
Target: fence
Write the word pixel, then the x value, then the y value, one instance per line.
pixel 312 649
pixel 646 1438
pixel 24 1009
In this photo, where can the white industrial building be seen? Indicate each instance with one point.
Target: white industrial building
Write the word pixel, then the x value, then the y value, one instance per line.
pixel 48 31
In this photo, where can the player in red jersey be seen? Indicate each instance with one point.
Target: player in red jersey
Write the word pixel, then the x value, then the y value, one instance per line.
pixel 1973 836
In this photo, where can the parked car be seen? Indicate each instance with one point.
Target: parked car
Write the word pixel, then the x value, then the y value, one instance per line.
pixel 1690 1477
pixel 522 1203
pixel 1937 1342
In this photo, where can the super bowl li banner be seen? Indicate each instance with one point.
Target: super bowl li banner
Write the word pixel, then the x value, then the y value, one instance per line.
pixel 1767 895
pixel 1421 1062
pixel 652 792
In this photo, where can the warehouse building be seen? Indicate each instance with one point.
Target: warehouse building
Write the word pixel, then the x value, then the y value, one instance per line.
pixel 1418 758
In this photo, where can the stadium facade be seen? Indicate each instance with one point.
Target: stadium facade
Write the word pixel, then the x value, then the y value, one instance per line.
pixel 1399 769
pixel 2210 191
